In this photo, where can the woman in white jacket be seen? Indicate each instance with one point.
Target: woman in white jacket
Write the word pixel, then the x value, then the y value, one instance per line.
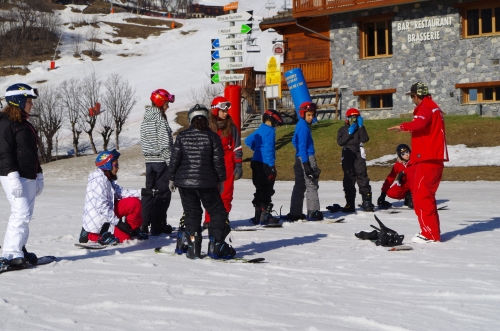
pixel 20 173
pixel 106 203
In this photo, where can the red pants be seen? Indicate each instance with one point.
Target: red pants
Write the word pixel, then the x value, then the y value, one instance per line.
pixel 130 208
pixel 427 178
pixel 227 194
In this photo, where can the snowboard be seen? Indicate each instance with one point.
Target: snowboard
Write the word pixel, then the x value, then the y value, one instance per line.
pixel 160 250
pixel 400 248
pixel 41 261
pixel 327 220
pixel 91 245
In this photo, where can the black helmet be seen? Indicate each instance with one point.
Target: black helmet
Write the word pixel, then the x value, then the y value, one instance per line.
pixel 17 94
pixel 402 148
pixel 197 110
pixel 273 116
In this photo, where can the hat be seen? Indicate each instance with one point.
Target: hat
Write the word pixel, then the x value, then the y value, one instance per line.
pixel 419 89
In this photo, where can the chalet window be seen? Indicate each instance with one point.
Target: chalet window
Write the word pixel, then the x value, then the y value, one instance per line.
pixel 480 18
pixel 375 38
pixel 480 92
pixel 375 99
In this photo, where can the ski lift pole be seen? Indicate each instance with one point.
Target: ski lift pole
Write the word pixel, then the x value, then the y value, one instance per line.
pixel 53 62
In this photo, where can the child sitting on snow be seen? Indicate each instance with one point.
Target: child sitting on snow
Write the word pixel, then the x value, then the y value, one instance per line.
pixel 106 202
pixel 399 182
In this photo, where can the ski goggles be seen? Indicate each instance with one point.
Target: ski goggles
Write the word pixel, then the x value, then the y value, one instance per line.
pixel 224 106
pixel 33 93
pixel 309 107
pixel 352 119
pixel 404 152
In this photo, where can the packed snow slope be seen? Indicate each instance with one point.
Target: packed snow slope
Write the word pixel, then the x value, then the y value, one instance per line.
pixel 317 276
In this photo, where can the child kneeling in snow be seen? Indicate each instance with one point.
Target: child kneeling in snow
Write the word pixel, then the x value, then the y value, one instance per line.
pixel 399 182
pixel 106 203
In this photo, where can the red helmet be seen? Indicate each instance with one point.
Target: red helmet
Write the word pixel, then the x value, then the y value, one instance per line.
pixel 352 112
pixel 305 107
pixel 160 96
pixel 220 103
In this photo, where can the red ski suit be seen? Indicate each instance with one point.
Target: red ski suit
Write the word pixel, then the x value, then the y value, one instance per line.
pixel 393 190
pixel 429 152
pixel 232 154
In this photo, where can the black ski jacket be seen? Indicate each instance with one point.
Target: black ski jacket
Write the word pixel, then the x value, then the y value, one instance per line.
pixel 18 147
pixel 197 159
pixel 352 141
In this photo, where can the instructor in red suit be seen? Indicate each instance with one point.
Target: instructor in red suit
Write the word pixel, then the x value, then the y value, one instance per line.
pixel 429 152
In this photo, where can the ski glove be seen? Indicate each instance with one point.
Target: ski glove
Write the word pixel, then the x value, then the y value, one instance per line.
pixel 221 187
pixel 360 121
pixel 308 170
pixel 15 184
pixel 270 172
pixel 171 186
pixel 381 199
pixel 238 171
pixel 39 183
pixel 352 128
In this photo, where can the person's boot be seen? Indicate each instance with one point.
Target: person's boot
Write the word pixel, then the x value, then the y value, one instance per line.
pixel 181 246
pixel 4 264
pixel 256 218
pixel 84 236
pixel 349 205
pixel 409 200
pixel 367 202
pixel 194 246
pixel 266 216
pixel 314 215
pixel 31 257
pixel 219 249
pixel 19 263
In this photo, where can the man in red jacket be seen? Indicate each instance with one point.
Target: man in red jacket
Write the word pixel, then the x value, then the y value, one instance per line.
pixel 429 152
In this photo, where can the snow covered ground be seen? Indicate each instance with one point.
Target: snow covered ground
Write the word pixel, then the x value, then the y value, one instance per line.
pixel 317 276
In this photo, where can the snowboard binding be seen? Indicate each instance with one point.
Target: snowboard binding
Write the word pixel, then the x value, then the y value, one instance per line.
pixel 382 235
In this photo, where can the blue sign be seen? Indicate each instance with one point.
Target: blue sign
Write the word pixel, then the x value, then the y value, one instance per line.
pixel 215 43
pixel 215 55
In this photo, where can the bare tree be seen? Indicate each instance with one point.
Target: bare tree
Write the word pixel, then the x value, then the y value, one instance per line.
pixel 119 99
pixel 50 119
pixel 105 127
pixel 90 87
pixel 69 95
pixel 91 41
pixel 77 40
pixel 206 94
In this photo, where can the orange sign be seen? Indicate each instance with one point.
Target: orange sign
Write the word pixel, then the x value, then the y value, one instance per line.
pixel 231 6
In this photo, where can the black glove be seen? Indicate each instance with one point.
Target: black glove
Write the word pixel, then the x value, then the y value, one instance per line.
pixel 317 172
pixel 270 172
pixel 238 171
pixel 381 199
pixel 124 227
pixel 399 178
pixel 308 170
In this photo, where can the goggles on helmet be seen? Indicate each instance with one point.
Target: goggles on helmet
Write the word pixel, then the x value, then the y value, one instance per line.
pixel 29 93
pixel 309 107
pixel 224 106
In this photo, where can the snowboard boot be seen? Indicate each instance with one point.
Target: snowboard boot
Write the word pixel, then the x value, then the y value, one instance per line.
pixel 182 246
pixel 182 226
pixel 4 264
pixel 367 202
pixel 219 249
pixel 107 238
pixel 293 218
pixel 256 218
pixel 84 236
pixel 409 200
pixel 31 257
pixel 19 263
pixel 350 200
pixel 314 215
pixel 194 246
pixel 266 216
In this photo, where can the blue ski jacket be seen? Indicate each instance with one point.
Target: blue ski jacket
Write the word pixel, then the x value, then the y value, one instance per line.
pixel 263 144
pixel 302 140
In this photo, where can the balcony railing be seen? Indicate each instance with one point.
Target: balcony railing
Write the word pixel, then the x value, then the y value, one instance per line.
pixel 321 7
pixel 316 74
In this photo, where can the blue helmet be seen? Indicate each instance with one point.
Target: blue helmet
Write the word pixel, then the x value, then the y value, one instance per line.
pixel 17 94
pixel 105 158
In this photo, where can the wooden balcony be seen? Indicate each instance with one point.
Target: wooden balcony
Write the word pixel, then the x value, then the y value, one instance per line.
pixel 316 74
pixel 310 8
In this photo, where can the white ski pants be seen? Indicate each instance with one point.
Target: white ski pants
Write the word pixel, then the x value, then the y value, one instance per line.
pixel 21 210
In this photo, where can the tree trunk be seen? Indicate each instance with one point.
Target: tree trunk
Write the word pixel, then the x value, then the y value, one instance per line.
pixel 117 141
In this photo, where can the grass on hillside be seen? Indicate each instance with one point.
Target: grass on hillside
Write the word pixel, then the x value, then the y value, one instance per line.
pixel 472 131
